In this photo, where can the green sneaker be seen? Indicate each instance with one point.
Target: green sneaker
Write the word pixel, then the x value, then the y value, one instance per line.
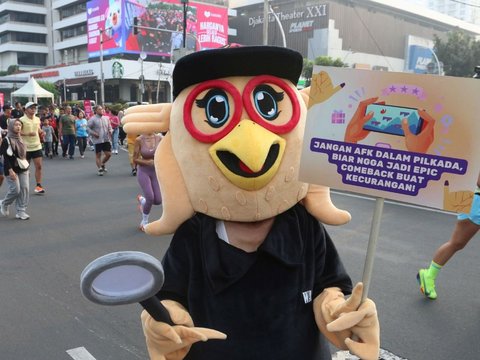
pixel 427 285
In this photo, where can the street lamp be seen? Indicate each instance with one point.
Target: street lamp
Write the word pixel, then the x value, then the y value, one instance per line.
pixel 143 56
pixel 436 59
pixel 102 79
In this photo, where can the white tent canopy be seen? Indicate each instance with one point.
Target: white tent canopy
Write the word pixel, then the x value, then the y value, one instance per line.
pixel 32 90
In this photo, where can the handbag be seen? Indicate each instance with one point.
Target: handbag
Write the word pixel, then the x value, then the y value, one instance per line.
pixel 22 163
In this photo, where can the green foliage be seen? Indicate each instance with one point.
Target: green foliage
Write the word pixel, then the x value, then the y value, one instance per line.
pixel 459 53
pixel 12 69
pixel 49 87
pixel 328 61
pixel 321 60
pixel 307 71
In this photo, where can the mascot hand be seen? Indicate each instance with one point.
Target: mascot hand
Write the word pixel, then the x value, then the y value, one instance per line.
pixel 165 342
pixel 339 319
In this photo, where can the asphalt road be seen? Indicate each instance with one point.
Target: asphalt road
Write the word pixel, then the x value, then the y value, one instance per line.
pixel 83 216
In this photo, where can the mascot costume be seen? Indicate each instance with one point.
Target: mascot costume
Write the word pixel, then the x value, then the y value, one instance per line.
pixel 250 273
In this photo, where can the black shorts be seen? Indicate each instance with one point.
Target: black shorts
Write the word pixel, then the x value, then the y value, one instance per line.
pixel 105 147
pixel 34 154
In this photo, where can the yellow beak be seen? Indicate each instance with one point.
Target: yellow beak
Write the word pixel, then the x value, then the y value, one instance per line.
pixel 249 156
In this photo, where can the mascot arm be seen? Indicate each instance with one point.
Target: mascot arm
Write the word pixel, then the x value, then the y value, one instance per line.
pixel 145 119
pixel 165 342
pixel 340 320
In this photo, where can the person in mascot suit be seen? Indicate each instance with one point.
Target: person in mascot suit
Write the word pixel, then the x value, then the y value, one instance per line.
pixel 251 273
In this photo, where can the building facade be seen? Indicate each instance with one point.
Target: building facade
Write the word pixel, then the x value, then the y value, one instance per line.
pixel 468 11
pixel 59 42
pixel 366 34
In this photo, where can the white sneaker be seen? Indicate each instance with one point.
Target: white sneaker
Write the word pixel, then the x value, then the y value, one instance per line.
pixel 22 215
pixel 142 225
pixel 4 209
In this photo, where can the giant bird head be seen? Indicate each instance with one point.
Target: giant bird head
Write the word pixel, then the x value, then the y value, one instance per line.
pixel 235 132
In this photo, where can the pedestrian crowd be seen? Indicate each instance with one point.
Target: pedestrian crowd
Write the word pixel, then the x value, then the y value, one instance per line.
pixel 31 133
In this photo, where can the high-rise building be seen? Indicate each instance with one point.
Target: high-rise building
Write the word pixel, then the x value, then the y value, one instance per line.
pixel 24 34
pixel 69 31
pixel 468 10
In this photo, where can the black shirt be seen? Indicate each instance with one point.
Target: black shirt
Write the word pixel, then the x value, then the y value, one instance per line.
pixel 263 300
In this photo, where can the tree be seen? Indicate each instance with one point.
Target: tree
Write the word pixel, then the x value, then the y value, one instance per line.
pixel 12 69
pixel 321 60
pixel 49 87
pixel 459 53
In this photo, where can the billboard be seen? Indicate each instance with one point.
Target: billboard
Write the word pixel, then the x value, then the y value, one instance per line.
pixel 298 21
pixel 419 55
pixel 405 137
pixel 160 26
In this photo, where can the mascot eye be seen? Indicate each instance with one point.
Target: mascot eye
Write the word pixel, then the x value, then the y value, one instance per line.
pixel 216 107
pixel 266 101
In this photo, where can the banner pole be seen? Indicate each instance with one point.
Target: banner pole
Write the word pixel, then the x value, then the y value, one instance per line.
pixel 372 244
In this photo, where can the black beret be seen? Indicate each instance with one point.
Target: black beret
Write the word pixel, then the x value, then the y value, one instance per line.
pixel 236 61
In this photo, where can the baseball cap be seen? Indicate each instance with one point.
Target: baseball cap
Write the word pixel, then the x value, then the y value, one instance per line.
pixel 30 104
pixel 6 107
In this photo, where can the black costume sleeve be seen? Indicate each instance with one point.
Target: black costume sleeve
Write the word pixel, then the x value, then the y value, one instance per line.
pixel 330 271
pixel 176 263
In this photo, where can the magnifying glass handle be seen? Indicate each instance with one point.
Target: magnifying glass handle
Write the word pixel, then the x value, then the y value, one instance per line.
pixel 156 310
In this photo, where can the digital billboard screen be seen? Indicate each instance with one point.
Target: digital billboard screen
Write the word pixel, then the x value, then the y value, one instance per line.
pixel 160 27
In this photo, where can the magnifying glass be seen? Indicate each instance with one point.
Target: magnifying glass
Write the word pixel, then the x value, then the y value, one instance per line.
pixel 126 277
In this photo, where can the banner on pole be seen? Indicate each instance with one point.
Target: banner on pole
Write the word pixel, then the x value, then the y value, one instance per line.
pixel 405 137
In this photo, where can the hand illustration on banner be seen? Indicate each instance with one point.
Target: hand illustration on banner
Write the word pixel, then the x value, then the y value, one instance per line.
pixel 421 142
pixel 355 131
pixel 413 142
pixel 458 201
pixel 322 88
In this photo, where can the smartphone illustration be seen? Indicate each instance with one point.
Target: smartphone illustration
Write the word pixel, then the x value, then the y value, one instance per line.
pixel 388 119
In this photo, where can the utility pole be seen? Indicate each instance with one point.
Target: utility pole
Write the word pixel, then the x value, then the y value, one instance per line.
pixel 102 79
pixel 185 4
pixel 265 22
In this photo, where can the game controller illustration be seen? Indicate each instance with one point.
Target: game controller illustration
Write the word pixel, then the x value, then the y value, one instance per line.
pixel 388 119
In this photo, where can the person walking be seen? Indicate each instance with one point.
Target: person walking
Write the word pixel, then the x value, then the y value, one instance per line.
pixel 17 113
pixel 31 134
pixel 465 229
pixel 12 149
pixel 66 130
pixel 115 123
pixel 101 131
pixel 82 133
pixel 143 153
pixel 4 118
pixel 7 114
pixel 49 137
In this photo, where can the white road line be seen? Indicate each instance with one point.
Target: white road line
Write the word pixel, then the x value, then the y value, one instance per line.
pixel 80 353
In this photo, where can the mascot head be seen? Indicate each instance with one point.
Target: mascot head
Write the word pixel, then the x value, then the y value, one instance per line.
pixel 235 133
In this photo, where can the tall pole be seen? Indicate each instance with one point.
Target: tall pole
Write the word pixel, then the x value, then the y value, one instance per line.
pixel 265 22
pixel 64 91
pixel 279 23
pixel 436 59
pixel 185 3
pixel 142 85
pixel 102 79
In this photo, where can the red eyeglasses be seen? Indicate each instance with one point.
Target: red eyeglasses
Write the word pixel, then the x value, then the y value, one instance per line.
pixel 210 118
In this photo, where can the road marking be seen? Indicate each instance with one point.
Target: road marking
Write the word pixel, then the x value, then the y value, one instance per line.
pixel 80 353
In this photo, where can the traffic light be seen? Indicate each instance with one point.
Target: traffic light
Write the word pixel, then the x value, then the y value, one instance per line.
pixel 135 25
